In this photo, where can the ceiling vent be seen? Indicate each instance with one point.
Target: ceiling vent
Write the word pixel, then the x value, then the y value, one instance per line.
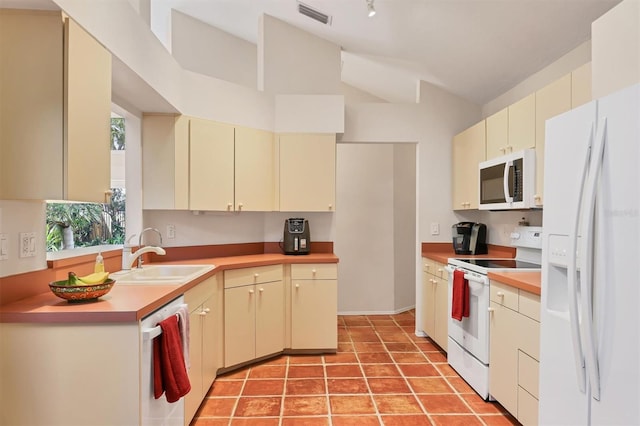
pixel 314 14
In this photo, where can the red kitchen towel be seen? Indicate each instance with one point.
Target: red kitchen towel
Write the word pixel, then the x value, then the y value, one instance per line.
pixel 170 373
pixel 460 297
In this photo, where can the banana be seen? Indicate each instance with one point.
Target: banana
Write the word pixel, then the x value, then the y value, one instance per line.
pixel 95 278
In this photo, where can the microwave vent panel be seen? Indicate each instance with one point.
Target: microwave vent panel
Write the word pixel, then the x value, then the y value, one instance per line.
pixel 314 14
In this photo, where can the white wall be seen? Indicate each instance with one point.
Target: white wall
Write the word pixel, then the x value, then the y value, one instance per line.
pixel 17 217
pixel 292 61
pixel 204 49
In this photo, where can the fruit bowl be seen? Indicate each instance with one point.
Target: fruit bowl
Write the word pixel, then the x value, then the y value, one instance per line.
pixel 80 293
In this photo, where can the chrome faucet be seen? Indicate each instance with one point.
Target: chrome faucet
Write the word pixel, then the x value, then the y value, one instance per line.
pixel 128 258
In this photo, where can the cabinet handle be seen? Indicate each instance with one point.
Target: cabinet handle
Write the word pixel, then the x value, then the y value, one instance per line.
pixel 256 275
pixel 330 207
pixel 500 294
pixel 297 285
pixel 239 206
pixel 107 196
pixel 426 266
pixel 510 148
pixel 503 149
pixel 250 291
pixel 261 290
pixel 313 271
pixel 204 312
pixel 490 310
pixel 229 206
pixel 439 269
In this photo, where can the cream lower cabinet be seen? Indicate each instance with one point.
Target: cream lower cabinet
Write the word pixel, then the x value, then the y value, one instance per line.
pixel 314 306
pixel 435 318
pixel 203 342
pixel 514 351
pixel 468 152
pixel 307 172
pixel 254 313
pixel 55 109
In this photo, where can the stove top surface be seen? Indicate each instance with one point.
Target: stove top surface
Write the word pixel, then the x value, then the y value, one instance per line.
pixel 500 263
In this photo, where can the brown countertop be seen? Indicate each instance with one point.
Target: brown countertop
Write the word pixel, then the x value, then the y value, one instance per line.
pixel 527 281
pixel 441 252
pixel 130 303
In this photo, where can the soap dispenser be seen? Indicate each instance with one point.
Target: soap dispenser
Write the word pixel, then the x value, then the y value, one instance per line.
pixel 99 266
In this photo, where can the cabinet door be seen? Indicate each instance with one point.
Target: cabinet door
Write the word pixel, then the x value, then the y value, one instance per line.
pixel 551 100
pixel 239 325
pixel 441 312
pixel 497 134
pixel 88 116
pixel 254 170
pixel 269 318
pixel 503 355
pixel 165 162
pixel 314 314
pixel 468 153
pixel 307 172
pixel 522 124
pixel 193 399
pixel 428 304
pixel 211 162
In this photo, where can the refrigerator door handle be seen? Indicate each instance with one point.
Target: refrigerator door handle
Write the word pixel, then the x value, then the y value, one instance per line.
pixel 586 261
pixel 505 182
pixel 572 276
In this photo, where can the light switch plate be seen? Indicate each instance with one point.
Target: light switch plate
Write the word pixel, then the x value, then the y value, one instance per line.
pixel 27 244
pixel 4 247
pixel 435 228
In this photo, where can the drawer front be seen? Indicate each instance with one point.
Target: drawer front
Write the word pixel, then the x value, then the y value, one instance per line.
pixel 311 271
pixel 529 339
pixel 504 295
pixel 255 275
pixel 529 305
pixel 528 369
pixel 427 265
pixel 527 408
pixel 197 295
pixel 439 271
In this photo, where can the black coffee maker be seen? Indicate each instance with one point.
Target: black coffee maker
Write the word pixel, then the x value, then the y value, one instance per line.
pixel 296 237
pixel 469 238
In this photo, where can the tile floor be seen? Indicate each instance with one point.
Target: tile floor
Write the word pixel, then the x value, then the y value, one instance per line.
pixel 382 374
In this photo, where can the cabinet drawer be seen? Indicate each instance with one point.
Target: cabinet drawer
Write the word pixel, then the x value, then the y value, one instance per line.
pixel 322 271
pixel 439 271
pixel 198 294
pixel 528 369
pixel 529 305
pixel 256 275
pixel 529 338
pixel 527 408
pixel 427 265
pixel 504 295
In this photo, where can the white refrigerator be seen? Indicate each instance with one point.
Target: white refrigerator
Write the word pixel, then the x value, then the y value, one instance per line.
pixel 590 315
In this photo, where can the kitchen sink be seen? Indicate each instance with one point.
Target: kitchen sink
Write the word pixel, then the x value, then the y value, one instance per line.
pixel 161 274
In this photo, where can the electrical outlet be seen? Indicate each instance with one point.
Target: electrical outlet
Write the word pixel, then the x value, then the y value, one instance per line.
pixel 435 228
pixel 27 244
pixel 4 247
pixel 171 231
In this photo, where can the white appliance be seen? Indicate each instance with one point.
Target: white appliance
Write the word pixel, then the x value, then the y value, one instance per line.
pixel 590 323
pixel 157 412
pixel 508 182
pixel 468 345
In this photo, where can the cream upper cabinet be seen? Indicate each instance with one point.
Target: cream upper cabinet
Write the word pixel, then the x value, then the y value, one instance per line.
pixel 498 134
pixel 55 109
pixel 468 153
pixel 211 165
pixel 307 172
pixel 551 100
pixel 254 170
pixel 581 85
pixel 165 162
pixel 522 124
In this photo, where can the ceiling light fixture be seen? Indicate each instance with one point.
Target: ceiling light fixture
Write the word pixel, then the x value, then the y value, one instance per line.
pixel 371 8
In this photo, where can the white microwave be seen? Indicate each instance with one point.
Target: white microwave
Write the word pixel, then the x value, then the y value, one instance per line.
pixel 508 182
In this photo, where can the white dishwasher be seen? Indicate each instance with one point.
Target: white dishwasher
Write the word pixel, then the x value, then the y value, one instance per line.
pixel 157 412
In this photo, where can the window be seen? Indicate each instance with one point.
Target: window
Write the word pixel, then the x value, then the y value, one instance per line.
pixel 72 225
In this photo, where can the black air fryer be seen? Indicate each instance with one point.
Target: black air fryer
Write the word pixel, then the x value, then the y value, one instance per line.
pixel 296 236
pixel 469 238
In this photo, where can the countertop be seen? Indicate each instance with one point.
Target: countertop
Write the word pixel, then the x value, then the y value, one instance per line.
pixel 528 281
pixel 130 303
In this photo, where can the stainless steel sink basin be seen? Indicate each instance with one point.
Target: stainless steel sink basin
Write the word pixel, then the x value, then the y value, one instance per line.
pixel 161 274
